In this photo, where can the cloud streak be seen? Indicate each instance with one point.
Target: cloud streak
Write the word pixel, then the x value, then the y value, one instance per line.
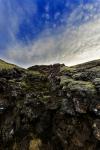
pixel 12 14
pixel 76 42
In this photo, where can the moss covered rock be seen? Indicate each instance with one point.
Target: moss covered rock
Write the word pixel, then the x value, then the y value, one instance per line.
pixel 52 107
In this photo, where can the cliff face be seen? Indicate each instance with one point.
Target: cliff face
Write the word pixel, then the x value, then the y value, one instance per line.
pixel 50 107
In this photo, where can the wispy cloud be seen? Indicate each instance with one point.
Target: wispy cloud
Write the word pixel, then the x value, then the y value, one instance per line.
pixel 77 42
pixel 12 14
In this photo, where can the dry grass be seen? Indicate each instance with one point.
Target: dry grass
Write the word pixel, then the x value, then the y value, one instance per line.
pixel 5 65
pixel 35 144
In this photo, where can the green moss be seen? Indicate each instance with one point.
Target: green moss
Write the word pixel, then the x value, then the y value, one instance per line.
pixel 82 86
pixel 23 84
pixel 34 73
pixel 66 69
pixel 65 80
pixel 71 84
pixel 46 97
pixel 32 85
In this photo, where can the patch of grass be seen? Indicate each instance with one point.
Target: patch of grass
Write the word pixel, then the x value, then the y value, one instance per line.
pixel 82 86
pixel 65 80
pixel 5 65
pixel 34 73
pixel 66 69
pixel 69 83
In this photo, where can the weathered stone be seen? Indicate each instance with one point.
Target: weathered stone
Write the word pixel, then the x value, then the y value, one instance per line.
pixel 50 107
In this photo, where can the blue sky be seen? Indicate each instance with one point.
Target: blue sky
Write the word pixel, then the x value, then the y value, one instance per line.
pixel 36 27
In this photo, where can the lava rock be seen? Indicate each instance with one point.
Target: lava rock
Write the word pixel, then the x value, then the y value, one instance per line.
pixel 52 107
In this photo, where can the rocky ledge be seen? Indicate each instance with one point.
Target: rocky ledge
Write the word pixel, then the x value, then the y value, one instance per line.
pixel 51 107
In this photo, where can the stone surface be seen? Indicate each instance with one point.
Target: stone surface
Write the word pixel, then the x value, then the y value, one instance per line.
pixel 52 107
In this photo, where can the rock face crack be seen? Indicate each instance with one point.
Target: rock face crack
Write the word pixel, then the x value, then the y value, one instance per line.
pixel 52 107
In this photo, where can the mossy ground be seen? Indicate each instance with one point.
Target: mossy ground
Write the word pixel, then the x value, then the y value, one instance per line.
pixel 66 69
pixel 52 110
pixel 82 85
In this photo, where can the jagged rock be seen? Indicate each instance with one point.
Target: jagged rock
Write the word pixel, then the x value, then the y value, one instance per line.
pixel 67 107
pixel 53 107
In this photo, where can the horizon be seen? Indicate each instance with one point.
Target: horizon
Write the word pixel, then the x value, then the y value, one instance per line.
pixel 8 62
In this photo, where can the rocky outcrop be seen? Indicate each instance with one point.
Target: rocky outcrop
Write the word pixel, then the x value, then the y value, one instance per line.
pixel 51 107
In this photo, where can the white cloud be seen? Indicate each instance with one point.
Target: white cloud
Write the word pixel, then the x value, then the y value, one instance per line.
pixel 76 44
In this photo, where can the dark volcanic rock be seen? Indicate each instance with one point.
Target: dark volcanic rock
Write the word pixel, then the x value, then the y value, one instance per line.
pixel 50 107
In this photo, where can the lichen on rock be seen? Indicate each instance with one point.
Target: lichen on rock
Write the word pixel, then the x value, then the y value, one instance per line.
pixel 50 107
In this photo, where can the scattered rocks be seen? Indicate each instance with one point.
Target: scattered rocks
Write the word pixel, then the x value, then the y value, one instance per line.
pixel 51 107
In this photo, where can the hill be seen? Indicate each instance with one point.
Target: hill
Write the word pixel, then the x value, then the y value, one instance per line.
pixel 5 65
pixel 52 107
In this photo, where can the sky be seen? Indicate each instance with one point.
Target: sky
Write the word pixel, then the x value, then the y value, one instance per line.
pixel 49 31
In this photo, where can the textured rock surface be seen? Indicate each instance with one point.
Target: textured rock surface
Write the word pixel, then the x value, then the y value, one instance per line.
pixel 50 107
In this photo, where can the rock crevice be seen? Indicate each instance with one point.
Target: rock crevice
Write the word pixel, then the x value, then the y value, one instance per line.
pixel 51 107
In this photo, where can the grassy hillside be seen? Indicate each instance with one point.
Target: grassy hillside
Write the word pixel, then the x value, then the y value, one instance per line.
pixel 5 65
